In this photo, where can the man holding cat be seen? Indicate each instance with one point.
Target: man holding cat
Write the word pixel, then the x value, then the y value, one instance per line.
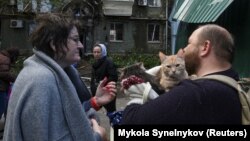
pixel 210 50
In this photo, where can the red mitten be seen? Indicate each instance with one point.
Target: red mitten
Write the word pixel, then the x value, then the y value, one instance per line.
pixel 132 80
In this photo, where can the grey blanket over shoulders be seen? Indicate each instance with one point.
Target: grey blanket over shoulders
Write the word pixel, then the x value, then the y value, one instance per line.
pixel 44 105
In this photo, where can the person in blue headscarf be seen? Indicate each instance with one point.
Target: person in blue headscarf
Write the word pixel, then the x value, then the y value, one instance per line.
pixel 101 68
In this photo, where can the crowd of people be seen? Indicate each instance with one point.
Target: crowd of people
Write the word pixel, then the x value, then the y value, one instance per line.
pixel 50 102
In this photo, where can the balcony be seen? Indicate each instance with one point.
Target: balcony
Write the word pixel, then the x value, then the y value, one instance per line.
pixel 117 7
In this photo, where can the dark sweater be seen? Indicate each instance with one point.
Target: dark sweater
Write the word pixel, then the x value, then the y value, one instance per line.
pixel 104 67
pixel 6 76
pixel 191 102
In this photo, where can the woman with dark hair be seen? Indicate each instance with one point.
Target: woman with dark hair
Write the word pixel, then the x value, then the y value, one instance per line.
pixel 44 104
pixel 7 58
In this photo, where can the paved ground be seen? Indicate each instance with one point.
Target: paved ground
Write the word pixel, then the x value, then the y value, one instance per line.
pixel 121 101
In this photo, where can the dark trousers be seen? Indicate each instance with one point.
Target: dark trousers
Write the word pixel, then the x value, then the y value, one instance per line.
pixel 111 107
pixel 3 102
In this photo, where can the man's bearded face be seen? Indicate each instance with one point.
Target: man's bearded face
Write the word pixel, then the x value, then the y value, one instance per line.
pixel 192 61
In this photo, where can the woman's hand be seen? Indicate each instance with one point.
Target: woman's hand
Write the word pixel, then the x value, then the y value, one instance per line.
pixel 100 130
pixel 105 92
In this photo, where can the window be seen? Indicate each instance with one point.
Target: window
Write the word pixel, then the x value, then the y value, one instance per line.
pixel 142 2
pixel 154 3
pixel 116 32
pixel 153 32
pixel 32 26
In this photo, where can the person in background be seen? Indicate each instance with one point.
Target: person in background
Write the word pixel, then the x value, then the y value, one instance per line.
pixel 210 50
pixel 101 68
pixel 8 57
pixel 44 104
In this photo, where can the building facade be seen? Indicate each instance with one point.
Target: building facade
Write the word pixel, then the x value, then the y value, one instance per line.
pixel 123 25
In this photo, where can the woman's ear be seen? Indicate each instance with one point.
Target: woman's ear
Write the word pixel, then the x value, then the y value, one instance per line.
pixel 52 45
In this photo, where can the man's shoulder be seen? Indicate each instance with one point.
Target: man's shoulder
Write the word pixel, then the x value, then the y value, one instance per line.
pixel 210 86
pixel 200 84
pixel 187 86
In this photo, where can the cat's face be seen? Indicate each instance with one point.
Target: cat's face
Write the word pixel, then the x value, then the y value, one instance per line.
pixel 133 69
pixel 172 65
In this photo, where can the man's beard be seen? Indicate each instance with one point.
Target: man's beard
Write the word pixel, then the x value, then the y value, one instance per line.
pixel 192 62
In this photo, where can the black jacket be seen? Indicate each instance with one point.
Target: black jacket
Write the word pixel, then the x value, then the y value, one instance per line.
pixel 102 68
pixel 81 88
pixel 191 102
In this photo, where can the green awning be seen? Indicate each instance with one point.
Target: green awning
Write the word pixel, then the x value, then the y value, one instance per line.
pixel 200 11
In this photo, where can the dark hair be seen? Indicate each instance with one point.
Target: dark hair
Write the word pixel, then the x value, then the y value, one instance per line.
pixel 13 54
pixel 55 28
pixel 97 44
pixel 221 40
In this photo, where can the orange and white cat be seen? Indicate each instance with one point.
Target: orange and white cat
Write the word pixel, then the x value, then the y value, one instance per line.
pixel 172 70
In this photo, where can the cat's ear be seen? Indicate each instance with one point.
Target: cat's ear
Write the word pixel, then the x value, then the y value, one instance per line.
pixel 162 56
pixel 180 53
pixel 141 65
pixel 120 70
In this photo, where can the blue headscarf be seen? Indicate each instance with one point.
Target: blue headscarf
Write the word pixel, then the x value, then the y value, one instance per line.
pixel 104 50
